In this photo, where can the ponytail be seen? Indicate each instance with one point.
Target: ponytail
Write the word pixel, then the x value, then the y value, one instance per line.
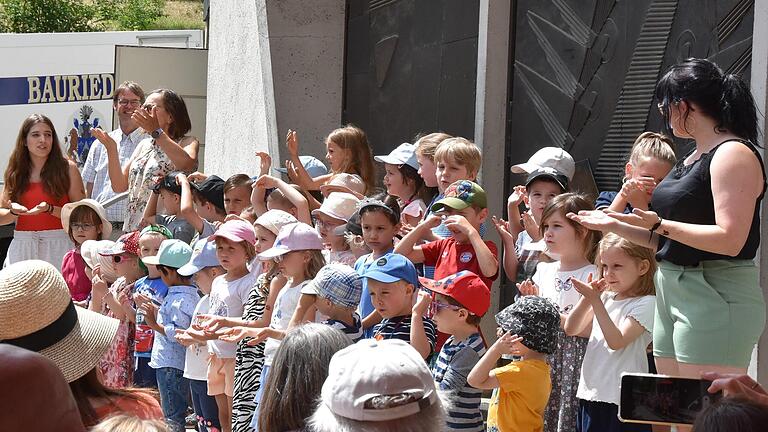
pixel 737 108
pixel 722 97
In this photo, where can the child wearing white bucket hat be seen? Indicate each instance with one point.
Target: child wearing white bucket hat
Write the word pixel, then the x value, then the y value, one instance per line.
pixel 335 211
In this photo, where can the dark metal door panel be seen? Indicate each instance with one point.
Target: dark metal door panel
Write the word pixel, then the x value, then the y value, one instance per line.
pixel 411 66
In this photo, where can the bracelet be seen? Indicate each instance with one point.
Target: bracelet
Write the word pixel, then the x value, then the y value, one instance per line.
pixel 50 209
pixel 654 228
pixel 10 210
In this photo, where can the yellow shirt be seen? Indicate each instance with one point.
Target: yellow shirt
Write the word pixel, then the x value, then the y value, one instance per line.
pixel 518 406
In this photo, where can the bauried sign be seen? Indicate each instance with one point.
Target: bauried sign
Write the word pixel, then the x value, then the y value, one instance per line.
pixel 56 88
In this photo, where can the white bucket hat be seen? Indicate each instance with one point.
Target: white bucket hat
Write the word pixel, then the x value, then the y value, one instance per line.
pixel 338 205
pixel 66 212
pixel 91 251
pixel 37 313
pixel 378 381
pixel 274 220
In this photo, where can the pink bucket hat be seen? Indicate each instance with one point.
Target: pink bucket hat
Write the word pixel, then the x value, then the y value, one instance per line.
pixel 235 230
pixel 293 237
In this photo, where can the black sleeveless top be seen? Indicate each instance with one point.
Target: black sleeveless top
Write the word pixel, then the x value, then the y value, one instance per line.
pixel 685 195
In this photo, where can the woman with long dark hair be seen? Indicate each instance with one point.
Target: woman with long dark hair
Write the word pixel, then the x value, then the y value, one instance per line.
pixel 705 225
pixel 39 180
pixel 164 116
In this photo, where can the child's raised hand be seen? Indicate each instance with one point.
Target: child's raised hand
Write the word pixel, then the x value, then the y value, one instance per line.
pixel 150 312
pixel 181 178
pixel 502 227
pixel 530 225
pixel 265 162
pixel 527 287
pixel 507 343
pixel 517 195
pixel 433 221
pixel 292 143
pixel 140 299
pixel 259 335
pixel 234 334
pixel 197 176
pixel 637 191
pixel 184 338
pixel 405 229
pixel 459 224
pixel 266 182
pixel 590 289
pixel 422 304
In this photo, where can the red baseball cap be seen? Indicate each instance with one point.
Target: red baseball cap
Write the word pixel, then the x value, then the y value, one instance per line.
pixel 465 287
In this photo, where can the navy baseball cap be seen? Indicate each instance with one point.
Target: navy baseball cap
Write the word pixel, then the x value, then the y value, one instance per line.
pixel 392 268
pixel 212 189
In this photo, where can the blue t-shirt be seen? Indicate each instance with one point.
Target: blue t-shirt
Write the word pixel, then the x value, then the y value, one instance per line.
pixel 366 305
pixel 604 200
pixel 156 290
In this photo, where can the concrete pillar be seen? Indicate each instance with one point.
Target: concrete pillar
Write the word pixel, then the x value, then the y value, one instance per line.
pixel 273 65
pixel 491 117
pixel 759 86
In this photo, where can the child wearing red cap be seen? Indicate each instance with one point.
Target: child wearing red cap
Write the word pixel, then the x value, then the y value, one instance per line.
pixel 457 303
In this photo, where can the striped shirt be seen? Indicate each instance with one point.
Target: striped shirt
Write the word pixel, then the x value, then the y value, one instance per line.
pixel 453 365
pixel 353 332
pixel 400 328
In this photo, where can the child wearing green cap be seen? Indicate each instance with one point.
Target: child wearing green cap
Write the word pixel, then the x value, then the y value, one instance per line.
pixel 462 209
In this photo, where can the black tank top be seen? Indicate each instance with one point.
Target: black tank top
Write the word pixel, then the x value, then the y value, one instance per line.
pixel 685 195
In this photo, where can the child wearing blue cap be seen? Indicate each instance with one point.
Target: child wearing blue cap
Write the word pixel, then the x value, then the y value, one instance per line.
pixel 168 355
pixel 203 267
pixel 393 282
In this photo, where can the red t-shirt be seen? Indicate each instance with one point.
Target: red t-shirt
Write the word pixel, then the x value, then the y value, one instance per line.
pixel 449 257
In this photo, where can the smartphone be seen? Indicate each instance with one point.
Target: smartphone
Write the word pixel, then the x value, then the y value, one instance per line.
pixel 663 400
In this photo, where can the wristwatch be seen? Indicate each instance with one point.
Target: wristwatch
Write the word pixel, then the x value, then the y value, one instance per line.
pixel 156 133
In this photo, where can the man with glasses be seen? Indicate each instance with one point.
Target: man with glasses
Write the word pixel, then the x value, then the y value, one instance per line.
pixel 127 98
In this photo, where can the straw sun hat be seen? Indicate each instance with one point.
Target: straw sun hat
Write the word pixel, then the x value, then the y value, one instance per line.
pixel 37 313
pixel 67 209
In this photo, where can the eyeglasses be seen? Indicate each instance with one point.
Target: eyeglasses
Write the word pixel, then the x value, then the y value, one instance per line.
pixel 81 226
pixel 437 306
pixel 129 102
pixel 280 258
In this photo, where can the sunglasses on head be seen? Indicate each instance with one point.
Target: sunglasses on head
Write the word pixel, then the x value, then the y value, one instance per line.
pixel 119 258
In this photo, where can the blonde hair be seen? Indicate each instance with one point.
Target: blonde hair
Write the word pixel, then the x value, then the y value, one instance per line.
pixel 427 144
pixel 359 160
pixel 645 284
pixel 652 145
pixel 573 203
pixel 461 150
pixel 129 423
pixel 316 262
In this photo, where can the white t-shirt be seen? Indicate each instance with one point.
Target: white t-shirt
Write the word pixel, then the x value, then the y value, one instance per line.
pixel 228 299
pixel 196 358
pixel 602 366
pixel 555 285
pixel 285 304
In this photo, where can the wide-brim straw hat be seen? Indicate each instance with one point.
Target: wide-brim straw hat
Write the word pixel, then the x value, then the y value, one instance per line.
pixel 37 313
pixel 66 212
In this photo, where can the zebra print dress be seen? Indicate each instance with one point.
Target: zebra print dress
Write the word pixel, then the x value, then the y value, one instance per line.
pixel 249 361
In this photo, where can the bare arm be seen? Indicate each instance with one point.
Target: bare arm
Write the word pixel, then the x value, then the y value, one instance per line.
pixel 89 190
pixel 184 157
pixel 150 211
pixel 259 199
pixel 407 245
pixel 489 264
pixel 419 340
pixel 579 319
pixel 481 376
pixel 118 175
pixel 187 205
pixel 76 191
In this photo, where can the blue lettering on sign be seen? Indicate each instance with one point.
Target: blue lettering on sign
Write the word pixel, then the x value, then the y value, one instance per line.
pixel 56 88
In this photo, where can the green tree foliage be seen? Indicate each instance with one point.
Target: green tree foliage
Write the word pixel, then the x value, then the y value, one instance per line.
pixel 45 16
